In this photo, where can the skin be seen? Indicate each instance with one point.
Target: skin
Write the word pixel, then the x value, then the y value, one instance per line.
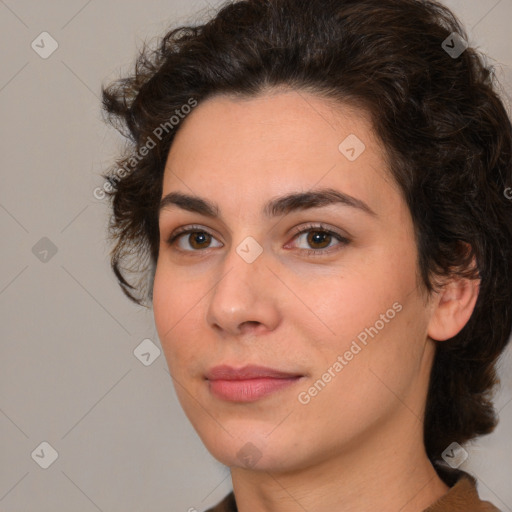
pixel 357 445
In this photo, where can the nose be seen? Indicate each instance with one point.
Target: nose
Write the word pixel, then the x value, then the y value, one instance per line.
pixel 245 298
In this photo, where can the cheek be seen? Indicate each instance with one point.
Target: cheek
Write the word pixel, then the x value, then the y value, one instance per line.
pixel 376 319
pixel 173 308
pixel 353 300
pixel 163 303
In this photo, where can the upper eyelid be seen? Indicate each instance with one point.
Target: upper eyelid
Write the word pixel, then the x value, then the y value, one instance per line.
pixel 319 227
pixel 308 227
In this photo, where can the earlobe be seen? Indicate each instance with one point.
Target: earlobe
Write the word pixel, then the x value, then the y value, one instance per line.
pixel 453 307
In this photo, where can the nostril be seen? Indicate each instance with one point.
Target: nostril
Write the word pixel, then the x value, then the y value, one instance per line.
pixel 249 325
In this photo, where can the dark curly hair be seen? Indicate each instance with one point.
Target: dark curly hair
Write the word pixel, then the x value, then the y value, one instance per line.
pixel 446 134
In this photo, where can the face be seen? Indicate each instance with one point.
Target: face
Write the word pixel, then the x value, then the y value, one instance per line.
pixel 309 304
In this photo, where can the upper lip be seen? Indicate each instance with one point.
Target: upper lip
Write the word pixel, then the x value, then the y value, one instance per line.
pixel 225 372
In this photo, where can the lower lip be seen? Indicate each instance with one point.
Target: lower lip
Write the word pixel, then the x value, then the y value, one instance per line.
pixel 248 390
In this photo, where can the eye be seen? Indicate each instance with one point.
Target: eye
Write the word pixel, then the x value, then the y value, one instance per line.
pixel 320 238
pixel 196 237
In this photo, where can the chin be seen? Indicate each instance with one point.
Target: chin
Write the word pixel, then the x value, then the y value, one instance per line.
pixel 251 447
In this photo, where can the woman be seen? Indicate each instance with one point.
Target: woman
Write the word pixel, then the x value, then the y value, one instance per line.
pixel 314 195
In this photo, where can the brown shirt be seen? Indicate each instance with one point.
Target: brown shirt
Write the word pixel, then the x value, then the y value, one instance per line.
pixel 462 497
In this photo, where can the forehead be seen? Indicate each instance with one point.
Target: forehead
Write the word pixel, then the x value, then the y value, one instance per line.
pixel 274 143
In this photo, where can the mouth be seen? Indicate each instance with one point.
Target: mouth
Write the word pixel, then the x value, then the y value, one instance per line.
pixel 249 383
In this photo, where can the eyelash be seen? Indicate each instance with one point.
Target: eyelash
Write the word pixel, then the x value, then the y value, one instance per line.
pixel 304 229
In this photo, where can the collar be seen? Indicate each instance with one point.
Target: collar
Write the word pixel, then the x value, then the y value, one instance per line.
pixel 462 496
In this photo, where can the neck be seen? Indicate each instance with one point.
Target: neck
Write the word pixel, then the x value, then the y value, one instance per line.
pixel 388 471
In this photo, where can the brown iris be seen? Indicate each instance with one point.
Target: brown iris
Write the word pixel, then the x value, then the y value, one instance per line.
pixel 206 239
pixel 317 237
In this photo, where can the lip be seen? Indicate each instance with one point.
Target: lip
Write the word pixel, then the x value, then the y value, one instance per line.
pixel 225 372
pixel 249 383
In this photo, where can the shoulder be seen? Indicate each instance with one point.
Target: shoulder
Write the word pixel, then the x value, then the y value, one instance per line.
pixel 462 496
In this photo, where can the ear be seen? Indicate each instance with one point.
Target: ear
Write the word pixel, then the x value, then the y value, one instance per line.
pixel 452 307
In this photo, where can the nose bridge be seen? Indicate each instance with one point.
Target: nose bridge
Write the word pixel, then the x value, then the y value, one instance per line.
pixel 242 294
pixel 242 271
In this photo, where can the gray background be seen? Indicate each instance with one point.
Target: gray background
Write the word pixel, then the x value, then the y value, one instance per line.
pixel 69 375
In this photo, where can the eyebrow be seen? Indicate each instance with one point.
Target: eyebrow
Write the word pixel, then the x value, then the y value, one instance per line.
pixel 275 207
